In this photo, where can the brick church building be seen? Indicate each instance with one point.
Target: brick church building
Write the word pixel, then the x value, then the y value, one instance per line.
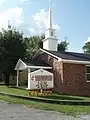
pixel 71 70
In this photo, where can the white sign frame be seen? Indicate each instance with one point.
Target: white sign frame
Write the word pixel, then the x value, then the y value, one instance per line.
pixel 41 79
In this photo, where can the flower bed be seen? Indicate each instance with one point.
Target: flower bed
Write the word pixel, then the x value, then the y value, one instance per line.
pixel 40 93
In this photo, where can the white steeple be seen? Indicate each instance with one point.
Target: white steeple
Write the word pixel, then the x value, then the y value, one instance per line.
pixel 50 41
pixel 50 15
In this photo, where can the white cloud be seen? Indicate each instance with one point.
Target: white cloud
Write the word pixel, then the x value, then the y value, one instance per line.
pixel 1 1
pixel 13 15
pixel 88 40
pixel 32 30
pixel 56 26
pixel 41 21
pixel 22 1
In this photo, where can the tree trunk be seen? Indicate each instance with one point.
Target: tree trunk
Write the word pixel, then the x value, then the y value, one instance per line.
pixel 6 78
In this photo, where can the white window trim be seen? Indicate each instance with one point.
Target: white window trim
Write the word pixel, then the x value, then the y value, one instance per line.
pixel 86 73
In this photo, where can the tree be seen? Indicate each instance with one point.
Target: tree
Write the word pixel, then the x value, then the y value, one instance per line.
pixel 63 46
pixel 33 44
pixel 12 48
pixel 86 47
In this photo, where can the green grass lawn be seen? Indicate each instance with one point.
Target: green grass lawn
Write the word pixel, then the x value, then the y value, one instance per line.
pixel 67 109
pixel 1 83
pixel 53 96
pixel 67 97
pixel 13 90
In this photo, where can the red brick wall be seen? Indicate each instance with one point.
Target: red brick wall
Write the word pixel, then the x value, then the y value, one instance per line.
pixel 68 78
pixel 74 79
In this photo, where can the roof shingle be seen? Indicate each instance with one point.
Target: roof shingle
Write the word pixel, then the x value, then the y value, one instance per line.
pixel 71 55
pixel 36 62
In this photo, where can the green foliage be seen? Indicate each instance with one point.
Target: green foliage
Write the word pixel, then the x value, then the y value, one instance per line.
pixel 86 47
pixel 63 46
pixel 33 44
pixel 12 48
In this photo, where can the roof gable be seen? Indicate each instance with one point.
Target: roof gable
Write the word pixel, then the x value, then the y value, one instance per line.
pixel 20 65
pixel 28 63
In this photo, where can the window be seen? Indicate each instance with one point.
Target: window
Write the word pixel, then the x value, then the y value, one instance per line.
pixel 88 73
pixel 51 33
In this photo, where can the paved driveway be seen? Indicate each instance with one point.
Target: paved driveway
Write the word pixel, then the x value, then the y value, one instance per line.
pixel 20 112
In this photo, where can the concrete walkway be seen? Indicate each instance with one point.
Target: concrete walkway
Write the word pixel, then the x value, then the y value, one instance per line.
pixel 20 112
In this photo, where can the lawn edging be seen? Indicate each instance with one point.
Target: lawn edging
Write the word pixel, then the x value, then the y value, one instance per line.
pixel 62 102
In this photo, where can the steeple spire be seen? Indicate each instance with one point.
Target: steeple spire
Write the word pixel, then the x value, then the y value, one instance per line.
pixel 50 15
pixel 50 41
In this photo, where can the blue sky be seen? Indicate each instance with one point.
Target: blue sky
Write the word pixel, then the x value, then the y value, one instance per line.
pixel 71 18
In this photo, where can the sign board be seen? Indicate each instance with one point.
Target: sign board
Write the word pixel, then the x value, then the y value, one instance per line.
pixel 41 79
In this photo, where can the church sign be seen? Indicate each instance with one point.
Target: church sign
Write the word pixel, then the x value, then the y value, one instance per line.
pixel 41 79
